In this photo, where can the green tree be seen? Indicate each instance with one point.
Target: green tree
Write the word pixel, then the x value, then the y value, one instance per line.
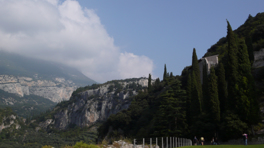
pixel 231 67
pixel 244 81
pixel 197 86
pixel 149 83
pixel 250 49
pixel 188 99
pixel 222 88
pixel 214 105
pixel 195 101
pixel 205 88
pixel 165 73
pixel 171 74
pixel 171 115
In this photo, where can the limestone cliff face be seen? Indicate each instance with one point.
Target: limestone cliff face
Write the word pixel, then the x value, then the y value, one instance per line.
pixel 94 105
pixel 57 90
pixel 9 121
pixel 258 58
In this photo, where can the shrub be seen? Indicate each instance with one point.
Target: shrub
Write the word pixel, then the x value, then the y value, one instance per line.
pixel 84 145
pixel 46 146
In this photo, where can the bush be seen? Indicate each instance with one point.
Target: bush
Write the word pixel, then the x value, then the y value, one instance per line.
pixel 84 145
pixel 46 146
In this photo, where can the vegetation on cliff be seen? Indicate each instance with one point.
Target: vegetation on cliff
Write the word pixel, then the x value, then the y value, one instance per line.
pixel 224 104
pixel 227 105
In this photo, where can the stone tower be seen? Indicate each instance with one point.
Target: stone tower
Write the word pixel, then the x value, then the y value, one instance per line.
pixel 209 62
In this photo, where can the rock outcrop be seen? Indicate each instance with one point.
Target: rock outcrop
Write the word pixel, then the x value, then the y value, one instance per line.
pixel 93 105
pixel 258 58
pixel 55 90
pixel 9 121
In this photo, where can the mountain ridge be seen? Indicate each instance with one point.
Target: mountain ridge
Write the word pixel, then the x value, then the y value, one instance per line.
pixel 17 65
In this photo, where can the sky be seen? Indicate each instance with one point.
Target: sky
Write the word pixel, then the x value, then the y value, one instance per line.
pixel 118 39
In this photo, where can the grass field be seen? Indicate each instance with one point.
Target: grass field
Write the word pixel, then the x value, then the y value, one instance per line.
pixel 226 146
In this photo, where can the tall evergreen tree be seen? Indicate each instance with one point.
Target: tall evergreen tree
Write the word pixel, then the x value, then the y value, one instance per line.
pixel 205 88
pixel 250 48
pixel 188 99
pixel 171 117
pixel 171 74
pixel 222 88
pixel 196 108
pixel 196 77
pixel 245 80
pixel 214 104
pixel 165 73
pixel 231 70
pixel 149 83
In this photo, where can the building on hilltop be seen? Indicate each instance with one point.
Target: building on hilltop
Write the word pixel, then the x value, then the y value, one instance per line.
pixel 209 62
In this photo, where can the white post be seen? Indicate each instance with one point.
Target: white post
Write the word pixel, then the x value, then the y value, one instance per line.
pixel 156 142
pixel 167 142
pixel 162 146
pixel 150 142
pixel 176 142
pixel 143 142
pixel 170 142
pixel 173 142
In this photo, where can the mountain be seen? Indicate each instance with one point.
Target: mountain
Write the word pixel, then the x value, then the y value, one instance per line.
pixel 127 108
pixel 28 76
pixel 20 66
pixel 153 115
pixel 27 106
pixel 30 86
pixel 93 104
pixel 73 120
pixel 253 32
pixel 253 28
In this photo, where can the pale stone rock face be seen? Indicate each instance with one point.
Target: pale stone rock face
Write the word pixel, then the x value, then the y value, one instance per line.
pixel 91 106
pixel 258 58
pixel 11 119
pixel 57 90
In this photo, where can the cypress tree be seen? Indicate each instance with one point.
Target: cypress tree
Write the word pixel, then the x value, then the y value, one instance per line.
pixel 171 75
pixel 188 99
pixel 214 104
pixel 196 77
pixel 250 49
pixel 245 81
pixel 205 88
pixel 222 88
pixel 149 83
pixel 195 101
pixel 165 73
pixel 232 67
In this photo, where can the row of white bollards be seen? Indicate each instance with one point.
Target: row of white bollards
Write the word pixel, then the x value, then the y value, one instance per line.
pixel 170 142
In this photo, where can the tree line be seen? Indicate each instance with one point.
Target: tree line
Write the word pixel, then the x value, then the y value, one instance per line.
pixel 224 104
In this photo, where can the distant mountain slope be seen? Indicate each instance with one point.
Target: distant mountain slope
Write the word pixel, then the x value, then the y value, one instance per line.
pixel 92 104
pixel 28 76
pixel 26 106
pixel 16 65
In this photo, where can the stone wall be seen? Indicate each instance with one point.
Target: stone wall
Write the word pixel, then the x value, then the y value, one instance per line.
pixel 258 58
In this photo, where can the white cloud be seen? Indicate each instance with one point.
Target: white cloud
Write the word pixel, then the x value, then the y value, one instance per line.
pixel 67 33
pixel 134 66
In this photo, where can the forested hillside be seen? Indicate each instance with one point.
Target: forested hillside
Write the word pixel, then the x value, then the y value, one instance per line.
pixel 224 104
pixel 26 106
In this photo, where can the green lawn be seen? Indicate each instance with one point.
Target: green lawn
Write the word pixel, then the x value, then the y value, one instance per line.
pixel 226 146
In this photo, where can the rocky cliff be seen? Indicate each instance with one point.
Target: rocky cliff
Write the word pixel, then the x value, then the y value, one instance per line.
pixel 8 120
pixel 94 105
pixel 28 76
pixel 57 90
pixel 258 58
